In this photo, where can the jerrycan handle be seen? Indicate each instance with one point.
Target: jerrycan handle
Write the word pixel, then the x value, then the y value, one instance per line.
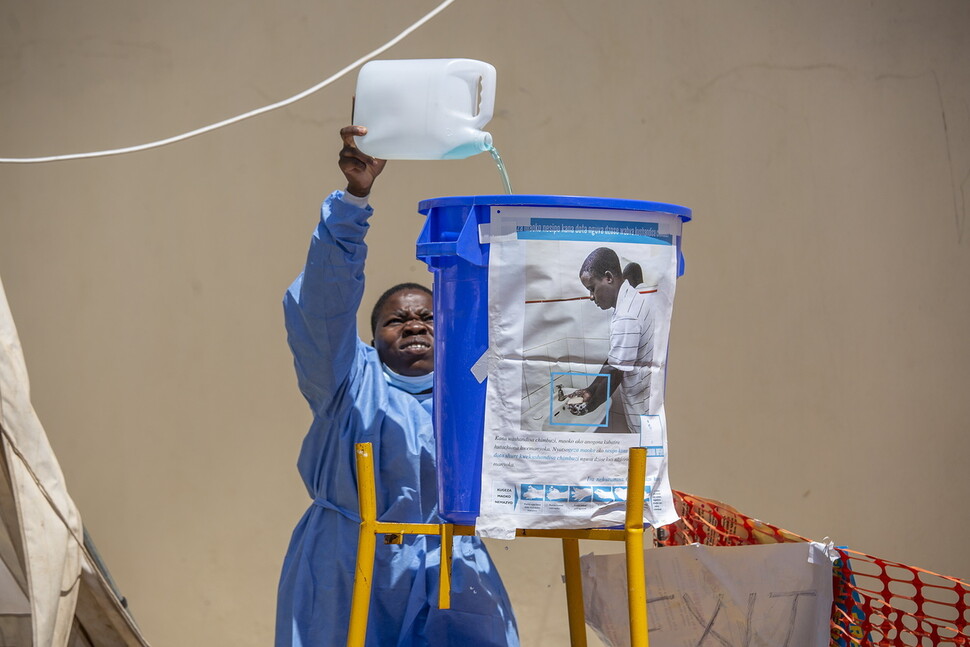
pixel 472 73
pixel 486 107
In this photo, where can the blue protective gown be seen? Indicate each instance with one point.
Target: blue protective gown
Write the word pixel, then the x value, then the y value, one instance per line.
pixel 343 381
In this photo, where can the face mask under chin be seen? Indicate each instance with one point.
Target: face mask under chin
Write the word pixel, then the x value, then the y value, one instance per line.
pixel 410 384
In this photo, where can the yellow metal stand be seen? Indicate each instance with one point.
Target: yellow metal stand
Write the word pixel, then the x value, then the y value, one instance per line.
pixel 631 535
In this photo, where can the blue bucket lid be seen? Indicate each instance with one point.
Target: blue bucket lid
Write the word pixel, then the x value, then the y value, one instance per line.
pixel 578 201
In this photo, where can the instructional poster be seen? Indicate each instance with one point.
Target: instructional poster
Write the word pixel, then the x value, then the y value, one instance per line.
pixel 579 317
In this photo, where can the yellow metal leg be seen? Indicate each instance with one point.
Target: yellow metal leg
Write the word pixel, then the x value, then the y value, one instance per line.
pixel 635 577
pixel 444 581
pixel 574 592
pixel 366 547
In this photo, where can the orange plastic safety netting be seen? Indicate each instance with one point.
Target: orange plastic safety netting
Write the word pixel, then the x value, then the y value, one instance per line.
pixel 878 602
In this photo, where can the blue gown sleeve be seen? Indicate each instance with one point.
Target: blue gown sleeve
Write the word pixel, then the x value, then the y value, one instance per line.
pixel 321 304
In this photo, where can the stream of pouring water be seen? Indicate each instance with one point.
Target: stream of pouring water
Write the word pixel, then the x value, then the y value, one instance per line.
pixel 501 169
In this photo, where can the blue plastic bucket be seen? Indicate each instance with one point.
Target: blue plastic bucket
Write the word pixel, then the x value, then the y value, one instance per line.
pixel 449 244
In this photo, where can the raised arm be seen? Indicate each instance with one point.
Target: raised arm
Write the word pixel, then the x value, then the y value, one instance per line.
pixel 321 304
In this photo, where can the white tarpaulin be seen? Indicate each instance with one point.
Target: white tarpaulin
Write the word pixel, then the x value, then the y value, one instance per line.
pixel 574 382
pixel 54 593
pixel 773 595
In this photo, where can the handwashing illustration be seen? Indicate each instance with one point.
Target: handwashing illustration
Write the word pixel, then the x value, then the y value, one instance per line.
pixel 577 405
pixel 574 403
pixel 557 493
pixel 580 494
pixel 574 493
pixel 581 401
pixel 604 494
pixel 533 492
pixel 628 366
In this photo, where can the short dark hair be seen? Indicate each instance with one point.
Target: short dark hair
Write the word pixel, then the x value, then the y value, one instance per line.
pixel 391 291
pixel 633 273
pixel 600 261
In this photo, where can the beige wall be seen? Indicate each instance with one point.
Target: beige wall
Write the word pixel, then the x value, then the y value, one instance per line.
pixel 819 370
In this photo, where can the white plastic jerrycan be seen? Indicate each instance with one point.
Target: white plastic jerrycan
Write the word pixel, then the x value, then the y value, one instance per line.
pixel 424 109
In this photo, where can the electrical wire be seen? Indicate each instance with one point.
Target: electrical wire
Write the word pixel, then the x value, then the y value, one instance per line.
pixel 252 113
